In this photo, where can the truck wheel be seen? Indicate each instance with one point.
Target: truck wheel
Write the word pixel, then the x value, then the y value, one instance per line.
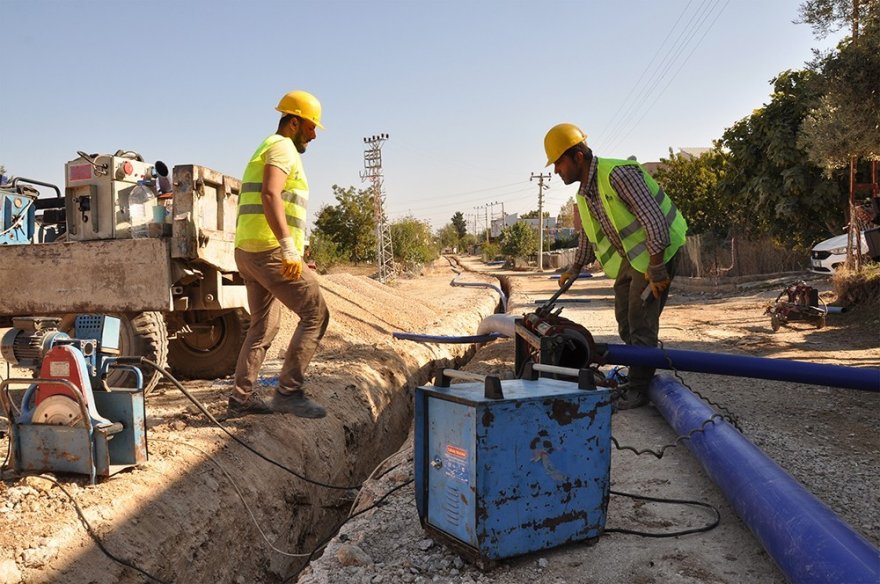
pixel 141 334
pixel 211 350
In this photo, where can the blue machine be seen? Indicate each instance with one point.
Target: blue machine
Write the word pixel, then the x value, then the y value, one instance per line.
pixel 69 420
pixel 17 213
pixel 504 468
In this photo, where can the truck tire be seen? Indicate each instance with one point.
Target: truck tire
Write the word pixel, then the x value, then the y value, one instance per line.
pixel 141 334
pixel 211 352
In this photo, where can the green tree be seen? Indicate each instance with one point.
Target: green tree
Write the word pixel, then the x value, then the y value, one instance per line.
pixel 566 214
pixel 413 244
pixel 447 236
pixel 828 16
pixel 460 224
pixel 519 240
pixel 845 124
pixel 787 196
pixel 350 223
pixel 533 214
pixel 693 185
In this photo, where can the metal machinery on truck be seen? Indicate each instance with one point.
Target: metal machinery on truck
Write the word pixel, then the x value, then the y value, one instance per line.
pixel 154 250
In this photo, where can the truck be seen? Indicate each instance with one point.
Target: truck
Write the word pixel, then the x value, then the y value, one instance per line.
pixel 130 239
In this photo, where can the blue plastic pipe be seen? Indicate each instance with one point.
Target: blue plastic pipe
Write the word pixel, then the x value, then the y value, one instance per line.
pixel 480 285
pixel 804 537
pixel 579 276
pixel 745 366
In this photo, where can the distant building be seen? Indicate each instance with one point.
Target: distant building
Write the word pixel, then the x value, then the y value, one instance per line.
pixel 688 153
pixel 499 224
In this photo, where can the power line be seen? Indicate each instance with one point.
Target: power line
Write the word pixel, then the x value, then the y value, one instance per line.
pixel 637 84
pixel 659 94
pixel 638 109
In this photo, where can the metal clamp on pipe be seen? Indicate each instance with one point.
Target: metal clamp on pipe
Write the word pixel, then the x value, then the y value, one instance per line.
pixel 492 383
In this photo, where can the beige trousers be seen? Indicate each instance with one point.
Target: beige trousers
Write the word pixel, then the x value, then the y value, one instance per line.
pixel 267 290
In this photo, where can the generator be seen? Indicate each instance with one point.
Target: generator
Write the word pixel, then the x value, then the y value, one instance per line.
pixel 68 419
pixel 101 195
pixel 504 468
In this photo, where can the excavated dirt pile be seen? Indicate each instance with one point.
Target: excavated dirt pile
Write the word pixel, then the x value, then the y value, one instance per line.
pixel 195 511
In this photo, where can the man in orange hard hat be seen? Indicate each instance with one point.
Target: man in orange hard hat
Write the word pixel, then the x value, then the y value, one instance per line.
pixel 636 232
pixel 269 242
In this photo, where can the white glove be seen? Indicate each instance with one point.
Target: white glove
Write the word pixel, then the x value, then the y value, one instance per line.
pixel 291 262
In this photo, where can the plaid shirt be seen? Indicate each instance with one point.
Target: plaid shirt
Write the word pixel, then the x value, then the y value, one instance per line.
pixel 630 186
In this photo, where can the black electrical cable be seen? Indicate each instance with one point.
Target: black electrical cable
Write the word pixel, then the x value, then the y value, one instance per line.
pixel 678 439
pixel 95 537
pixel 198 404
pixel 705 528
pixel 240 496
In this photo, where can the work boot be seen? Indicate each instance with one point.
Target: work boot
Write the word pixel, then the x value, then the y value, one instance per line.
pixel 298 404
pixel 629 396
pixel 253 405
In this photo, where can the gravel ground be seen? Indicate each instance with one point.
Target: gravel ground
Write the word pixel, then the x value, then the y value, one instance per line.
pixel 826 438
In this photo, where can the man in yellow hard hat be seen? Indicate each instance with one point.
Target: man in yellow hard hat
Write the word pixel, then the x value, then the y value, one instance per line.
pixel 269 241
pixel 635 231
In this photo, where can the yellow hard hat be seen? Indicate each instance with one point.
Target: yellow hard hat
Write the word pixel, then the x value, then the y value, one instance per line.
pixel 302 104
pixel 560 138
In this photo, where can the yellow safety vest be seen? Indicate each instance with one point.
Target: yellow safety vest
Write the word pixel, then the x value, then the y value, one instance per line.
pixel 252 231
pixel 631 232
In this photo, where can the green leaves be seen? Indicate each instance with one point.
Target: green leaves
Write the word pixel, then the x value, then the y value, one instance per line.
pixel 350 224
pixel 519 240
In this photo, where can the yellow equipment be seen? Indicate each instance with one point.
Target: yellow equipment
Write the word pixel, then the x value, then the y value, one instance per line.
pixel 560 138
pixel 302 104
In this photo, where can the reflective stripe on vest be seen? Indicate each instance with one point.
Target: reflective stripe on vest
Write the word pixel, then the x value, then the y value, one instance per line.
pixel 632 234
pixel 252 229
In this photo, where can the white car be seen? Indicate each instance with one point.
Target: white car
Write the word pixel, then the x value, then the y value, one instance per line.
pixel 828 255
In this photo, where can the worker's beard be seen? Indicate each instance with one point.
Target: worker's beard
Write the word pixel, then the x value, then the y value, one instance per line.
pixel 299 142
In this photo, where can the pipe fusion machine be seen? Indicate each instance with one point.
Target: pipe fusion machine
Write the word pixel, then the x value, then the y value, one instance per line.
pixel 68 419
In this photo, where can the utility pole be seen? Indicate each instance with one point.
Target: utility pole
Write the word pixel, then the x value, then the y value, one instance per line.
pixel 541 187
pixel 373 172
pixel 492 206
pixel 485 219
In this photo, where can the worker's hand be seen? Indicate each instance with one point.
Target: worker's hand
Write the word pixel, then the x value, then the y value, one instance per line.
pixel 570 274
pixel 291 262
pixel 658 279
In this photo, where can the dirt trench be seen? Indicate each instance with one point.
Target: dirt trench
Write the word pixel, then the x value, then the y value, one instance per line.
pixel 180 517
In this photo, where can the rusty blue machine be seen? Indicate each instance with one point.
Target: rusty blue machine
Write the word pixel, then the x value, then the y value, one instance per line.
pixel 503 468
pixel 68 419
pixel 19 202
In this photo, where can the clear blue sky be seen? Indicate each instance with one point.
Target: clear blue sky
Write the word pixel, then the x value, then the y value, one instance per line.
pixel 465 89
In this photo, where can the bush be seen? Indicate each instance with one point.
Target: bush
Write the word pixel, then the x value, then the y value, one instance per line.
pixel 489 251
pixel 858 287
pixel 324 252
pixel 413 244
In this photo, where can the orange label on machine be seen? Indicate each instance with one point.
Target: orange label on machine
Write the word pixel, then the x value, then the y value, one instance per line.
pixel 456 451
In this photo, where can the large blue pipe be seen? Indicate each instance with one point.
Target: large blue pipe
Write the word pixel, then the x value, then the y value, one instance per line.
pixel 803 536
pixel 744 366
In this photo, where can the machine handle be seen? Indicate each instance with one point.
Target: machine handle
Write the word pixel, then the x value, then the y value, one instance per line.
pixel 491 383
pixel 19 179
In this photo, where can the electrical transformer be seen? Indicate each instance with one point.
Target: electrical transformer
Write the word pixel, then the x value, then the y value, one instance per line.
pixel 513 470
